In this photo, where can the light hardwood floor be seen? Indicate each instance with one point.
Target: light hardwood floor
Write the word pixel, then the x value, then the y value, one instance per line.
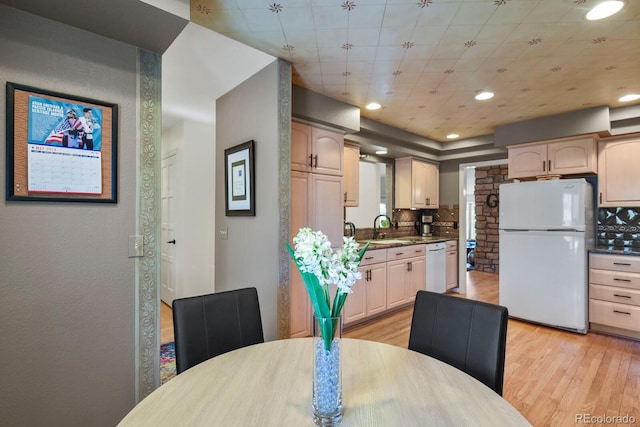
pixel 551 376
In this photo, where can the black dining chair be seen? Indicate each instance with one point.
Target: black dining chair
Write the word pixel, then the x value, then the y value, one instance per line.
pixel 469 335
pixel 206 326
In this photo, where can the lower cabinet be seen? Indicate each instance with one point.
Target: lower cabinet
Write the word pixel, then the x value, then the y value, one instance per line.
pixel 369 295
pixel 614 294
pixel 406 274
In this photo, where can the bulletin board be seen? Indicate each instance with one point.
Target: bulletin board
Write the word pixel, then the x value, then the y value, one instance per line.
pixel 60 147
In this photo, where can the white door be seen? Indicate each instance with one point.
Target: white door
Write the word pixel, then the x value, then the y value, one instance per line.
pixel 167 259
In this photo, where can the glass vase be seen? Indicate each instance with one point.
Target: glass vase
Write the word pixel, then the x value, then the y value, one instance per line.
pixel 327 373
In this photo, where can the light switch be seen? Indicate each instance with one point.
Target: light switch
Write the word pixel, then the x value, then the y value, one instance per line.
pixel 136 246
pixel 223 233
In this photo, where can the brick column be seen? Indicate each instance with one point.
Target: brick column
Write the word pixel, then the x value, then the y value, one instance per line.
pixel 488 180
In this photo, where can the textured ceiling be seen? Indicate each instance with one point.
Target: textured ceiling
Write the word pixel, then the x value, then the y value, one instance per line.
pixel 425 60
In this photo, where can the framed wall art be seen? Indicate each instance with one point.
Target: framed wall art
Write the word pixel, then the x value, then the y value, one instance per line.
pixel 239 173
pixel 60 147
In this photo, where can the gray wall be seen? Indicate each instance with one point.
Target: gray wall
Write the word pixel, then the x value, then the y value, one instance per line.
pixel 450 176
pixel 67 304
pixel 249 258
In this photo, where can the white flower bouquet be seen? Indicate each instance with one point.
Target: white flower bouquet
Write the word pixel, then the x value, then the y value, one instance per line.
pixel 320 267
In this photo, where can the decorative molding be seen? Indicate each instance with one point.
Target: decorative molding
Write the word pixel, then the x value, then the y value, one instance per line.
pixel 148 223
pixel 284 187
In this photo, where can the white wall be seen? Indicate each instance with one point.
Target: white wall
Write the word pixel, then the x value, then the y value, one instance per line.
pixel 198 209
pixel 249 257
pixel 67 285
pixel 369 201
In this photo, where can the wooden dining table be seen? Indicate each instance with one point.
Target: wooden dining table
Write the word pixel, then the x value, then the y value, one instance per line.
pixel 269 384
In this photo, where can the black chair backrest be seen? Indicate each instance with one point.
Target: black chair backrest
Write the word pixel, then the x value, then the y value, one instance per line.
pixel 469 335
pixel 209 325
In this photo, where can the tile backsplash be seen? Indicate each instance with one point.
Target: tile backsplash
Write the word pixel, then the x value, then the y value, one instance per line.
pixel 618 228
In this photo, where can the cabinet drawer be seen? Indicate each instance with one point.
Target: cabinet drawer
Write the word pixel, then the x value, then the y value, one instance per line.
pixel 628 263
pixel 612 314
pixel 374 256
pixel 403 252
pixel 614 278
pixel 614 294
pixel 452 245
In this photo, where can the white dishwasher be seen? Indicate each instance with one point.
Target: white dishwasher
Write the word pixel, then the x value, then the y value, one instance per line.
pixel 436 267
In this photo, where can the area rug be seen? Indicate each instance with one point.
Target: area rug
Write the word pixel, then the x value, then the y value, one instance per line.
pixel 167 362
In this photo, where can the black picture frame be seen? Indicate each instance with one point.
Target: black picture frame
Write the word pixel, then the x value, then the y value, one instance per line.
pixel 34 173
pixel 239 180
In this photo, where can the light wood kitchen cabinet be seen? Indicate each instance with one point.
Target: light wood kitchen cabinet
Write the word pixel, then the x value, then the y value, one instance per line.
pixel 316 202
pixel 614 294
pixel 406 274
pixel 618 173
pixel 316 150
pixel 416 184
pixel 452 264
pixel 351 177
pixel 369 296
pixel 576 155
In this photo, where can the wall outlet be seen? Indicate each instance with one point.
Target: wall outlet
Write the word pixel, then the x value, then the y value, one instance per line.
pixel 223 233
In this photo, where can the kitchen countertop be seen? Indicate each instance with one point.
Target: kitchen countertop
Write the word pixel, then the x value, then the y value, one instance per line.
pixel 406 241
pixel 611 250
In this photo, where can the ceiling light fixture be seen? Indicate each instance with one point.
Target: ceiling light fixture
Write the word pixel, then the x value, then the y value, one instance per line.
pixel 383 151
pixel 453 136
pixel 628 98
pixel 373 106
pixel 483 96
pixel 604 9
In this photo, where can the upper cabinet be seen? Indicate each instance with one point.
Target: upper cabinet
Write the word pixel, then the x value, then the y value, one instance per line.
pixel 417 184
pixel 351 177
pixel 316 150
pixel 618 173
pixel 558 157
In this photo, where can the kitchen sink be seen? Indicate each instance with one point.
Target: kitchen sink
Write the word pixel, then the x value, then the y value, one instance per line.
pixel 386 241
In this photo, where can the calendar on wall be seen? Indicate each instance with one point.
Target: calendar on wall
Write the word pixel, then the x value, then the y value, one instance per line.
pixel 60 147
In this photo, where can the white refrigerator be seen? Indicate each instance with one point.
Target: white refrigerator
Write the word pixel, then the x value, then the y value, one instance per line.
pixel 546 229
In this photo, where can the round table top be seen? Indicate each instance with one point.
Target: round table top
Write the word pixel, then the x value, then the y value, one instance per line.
pixel 270 385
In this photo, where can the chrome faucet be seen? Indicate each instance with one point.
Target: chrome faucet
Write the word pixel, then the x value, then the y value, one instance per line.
pixel 352 228
pixel 376 231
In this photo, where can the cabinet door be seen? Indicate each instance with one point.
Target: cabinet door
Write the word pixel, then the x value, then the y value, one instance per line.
pixel 327 149
pixel 355 306
pixel 299 302
pixel 433 186
pixel 572 157
pixel 452 269
pixel 300 147
pixel 416 278
pixel 377 289
pixel 528 160
pixel 326 206
pixel 618 173
pixel 396 283
pixel 351 177
pixel 419 178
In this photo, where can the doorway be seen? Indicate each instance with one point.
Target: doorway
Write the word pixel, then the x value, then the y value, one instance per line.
pixel 466 193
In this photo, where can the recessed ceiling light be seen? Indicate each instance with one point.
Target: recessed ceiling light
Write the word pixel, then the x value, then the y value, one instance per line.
pixel 453 136
pixel 630 97
pixel 604 9
pixel 383 151
pixel 482 96
pixel 373 106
